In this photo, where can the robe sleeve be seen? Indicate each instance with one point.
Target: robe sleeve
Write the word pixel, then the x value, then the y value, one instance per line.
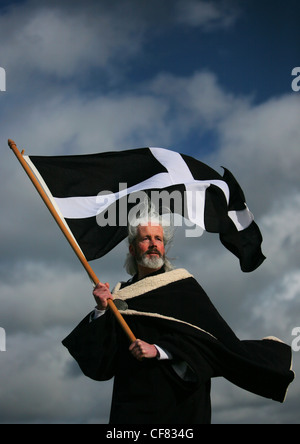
pixel 262 367
pixel 94 346
pixel 184 350
pixel 202 338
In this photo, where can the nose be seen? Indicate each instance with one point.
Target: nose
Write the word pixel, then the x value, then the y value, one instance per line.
pixel 153 242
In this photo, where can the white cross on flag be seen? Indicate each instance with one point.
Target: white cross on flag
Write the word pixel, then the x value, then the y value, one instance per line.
pixel 94 194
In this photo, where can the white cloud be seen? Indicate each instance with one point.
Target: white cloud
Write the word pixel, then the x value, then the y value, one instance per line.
pixel 43 291
pixel 199 94
pixel 262 143
pixel 209 15
pixel 272 311
pixel 99 124
pixel 65 41
pixel 281 232
pixel 42 385
pixel 39 296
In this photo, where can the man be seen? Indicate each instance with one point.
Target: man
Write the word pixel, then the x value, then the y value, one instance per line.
pixel 149 252
pixel 164 377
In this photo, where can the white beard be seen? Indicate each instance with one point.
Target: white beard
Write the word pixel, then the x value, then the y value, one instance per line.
pixel 151 262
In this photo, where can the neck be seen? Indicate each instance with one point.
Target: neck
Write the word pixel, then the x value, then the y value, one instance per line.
pixel 145 271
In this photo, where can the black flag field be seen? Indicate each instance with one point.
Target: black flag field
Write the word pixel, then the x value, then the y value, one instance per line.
pixel 95 193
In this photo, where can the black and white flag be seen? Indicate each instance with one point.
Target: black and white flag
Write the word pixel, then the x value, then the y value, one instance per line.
pixel 94 194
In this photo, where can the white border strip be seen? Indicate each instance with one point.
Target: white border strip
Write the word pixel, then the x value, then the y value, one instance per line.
pixel 168 318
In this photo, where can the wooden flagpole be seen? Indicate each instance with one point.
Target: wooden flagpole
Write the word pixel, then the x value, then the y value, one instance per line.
pixel 68 236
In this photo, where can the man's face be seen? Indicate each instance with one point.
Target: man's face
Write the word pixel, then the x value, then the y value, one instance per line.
pixel 149 249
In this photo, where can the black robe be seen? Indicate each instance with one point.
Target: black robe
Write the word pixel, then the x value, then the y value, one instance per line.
pixel 172 311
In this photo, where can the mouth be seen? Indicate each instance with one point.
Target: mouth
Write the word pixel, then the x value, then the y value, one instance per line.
pixel 153 253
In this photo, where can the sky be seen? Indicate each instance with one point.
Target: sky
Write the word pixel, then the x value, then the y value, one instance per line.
pixel 211 79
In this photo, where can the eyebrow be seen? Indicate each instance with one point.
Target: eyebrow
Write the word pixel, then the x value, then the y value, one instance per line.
pixel 157 236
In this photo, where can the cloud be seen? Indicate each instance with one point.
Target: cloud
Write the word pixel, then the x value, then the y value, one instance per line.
pixel 275 302
pixel 39 304
pixel 241 126
pixel 40 386
pixel 99 124
pixel 43 305
pixel 198 100
pixel 281 229
pixel 47 52
pixel 209 15
pixel 64 41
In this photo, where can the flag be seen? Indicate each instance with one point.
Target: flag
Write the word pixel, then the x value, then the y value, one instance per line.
pixel 95 193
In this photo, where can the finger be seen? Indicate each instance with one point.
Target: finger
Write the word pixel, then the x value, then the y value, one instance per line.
pixel 133 345
pixel 136 349
pixel 97 287
pixel 100 288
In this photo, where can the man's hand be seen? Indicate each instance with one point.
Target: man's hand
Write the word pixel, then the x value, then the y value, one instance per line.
pixel 101 294
pixel 140 350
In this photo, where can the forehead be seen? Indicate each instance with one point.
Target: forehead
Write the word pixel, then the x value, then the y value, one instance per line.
pixel 151 229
